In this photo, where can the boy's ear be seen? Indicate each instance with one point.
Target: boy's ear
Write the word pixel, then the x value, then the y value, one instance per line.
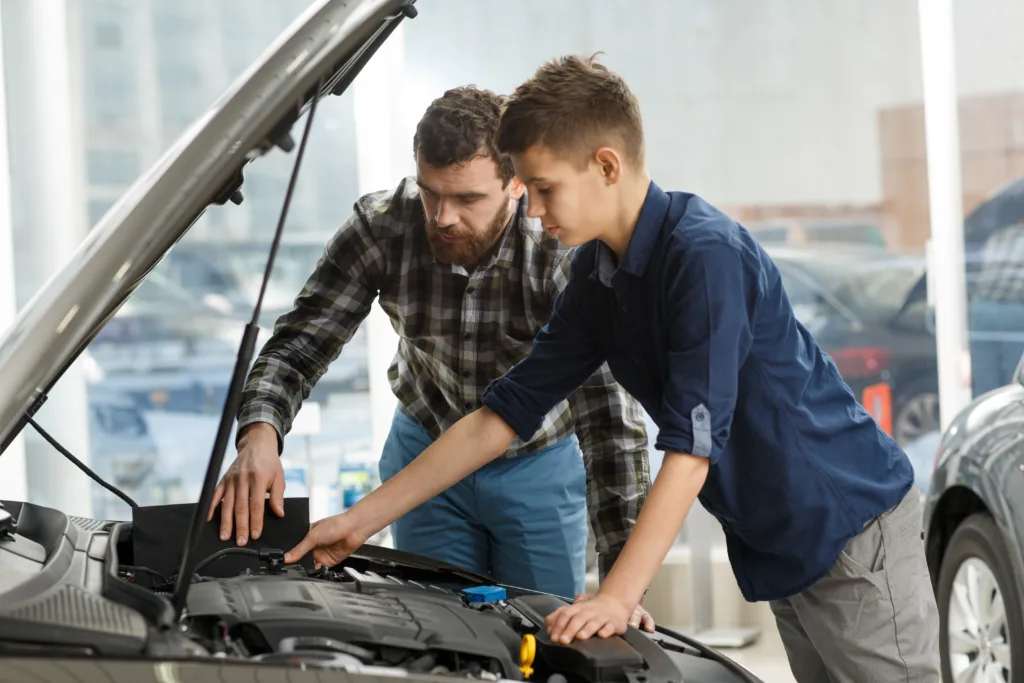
pixel 609 164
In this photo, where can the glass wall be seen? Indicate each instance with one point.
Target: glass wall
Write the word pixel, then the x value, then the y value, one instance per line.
pixel 991 110
pixel 156 376
pixel 803 119
pixel 778 113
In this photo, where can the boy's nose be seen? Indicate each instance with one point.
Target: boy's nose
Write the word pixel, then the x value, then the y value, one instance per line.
pixel 534 207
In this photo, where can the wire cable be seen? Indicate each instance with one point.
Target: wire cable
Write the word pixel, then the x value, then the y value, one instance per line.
pixel 147 571
pixel 81 465
pixel 224 552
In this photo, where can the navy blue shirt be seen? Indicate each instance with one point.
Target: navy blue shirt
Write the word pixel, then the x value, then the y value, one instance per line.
pixel 695 324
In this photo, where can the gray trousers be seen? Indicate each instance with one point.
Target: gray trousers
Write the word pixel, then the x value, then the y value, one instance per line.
pixel 873 617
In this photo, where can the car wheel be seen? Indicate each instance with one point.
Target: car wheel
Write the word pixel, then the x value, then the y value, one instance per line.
pixel 915 417
pixel 980 639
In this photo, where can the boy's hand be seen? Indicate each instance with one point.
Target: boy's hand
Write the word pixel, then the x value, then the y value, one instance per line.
pixel 641 618
pixel 331 539
pixel 599 615
pixel 471 443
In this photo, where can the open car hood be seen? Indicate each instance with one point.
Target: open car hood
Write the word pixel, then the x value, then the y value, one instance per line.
pixel 324 48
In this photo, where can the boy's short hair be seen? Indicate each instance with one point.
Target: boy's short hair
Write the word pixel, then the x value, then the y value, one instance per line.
pixel 460 125
pixel 573 105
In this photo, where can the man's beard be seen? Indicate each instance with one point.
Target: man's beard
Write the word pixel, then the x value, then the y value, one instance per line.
pixel 474 248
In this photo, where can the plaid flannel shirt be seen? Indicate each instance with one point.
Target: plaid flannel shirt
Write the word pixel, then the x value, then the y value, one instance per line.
pixel 457 331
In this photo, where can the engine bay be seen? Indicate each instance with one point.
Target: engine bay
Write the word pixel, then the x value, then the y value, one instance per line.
pixel 362 620
pixel 355 620
pixel 76 587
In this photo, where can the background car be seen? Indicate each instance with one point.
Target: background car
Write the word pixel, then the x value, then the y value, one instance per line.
pixel 854 300
pixel 974 536
pixel 818 232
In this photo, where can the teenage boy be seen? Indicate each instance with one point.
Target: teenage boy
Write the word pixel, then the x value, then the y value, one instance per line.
pixel 818 505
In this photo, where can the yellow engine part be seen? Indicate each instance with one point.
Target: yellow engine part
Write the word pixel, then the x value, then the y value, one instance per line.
pixel 527 652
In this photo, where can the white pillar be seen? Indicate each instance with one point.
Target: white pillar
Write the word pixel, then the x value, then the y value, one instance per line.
pixel 51 178
pixel 378 96
pixel 942 128
pixel 13 482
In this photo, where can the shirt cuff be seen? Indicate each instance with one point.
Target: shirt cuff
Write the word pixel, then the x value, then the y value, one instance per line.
pixel 250 416
pixel 689 436
pixel 501 397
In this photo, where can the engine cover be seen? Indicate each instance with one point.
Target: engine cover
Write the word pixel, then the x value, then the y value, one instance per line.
pixel 283 608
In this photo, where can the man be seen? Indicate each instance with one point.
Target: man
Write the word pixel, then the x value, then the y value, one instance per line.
pixel 820 514
pixel 468 281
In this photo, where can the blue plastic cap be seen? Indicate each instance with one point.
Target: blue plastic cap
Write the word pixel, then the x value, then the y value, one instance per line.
pixel 484 593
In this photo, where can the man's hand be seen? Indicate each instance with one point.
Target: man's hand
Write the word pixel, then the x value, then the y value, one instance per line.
pixel 641 618
pixel 256 470
pixel 331 539
pixel 600 615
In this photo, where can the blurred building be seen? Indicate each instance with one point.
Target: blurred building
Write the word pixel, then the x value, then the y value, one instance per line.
pixel 133 75
pixel 148 68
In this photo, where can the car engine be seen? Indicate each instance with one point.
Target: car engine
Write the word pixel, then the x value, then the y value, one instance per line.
pixel 355 620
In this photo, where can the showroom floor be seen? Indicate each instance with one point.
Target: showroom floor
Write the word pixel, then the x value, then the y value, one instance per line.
pixel 766 658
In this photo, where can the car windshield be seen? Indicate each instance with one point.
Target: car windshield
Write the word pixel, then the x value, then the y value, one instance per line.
pixel 875 288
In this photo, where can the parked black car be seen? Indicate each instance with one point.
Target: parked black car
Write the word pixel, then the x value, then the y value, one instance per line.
pixel 855 300
pixel 974 536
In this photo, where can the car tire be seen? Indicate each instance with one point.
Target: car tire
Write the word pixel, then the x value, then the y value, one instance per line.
pixel 977 562
pixel 916 414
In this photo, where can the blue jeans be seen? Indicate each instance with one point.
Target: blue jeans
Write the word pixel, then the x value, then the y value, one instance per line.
pixel 522 520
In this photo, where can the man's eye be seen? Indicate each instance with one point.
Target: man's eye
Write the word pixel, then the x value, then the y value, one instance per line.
pixel 543 190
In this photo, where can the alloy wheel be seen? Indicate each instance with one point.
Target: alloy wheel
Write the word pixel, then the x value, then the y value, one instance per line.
pixel 979 642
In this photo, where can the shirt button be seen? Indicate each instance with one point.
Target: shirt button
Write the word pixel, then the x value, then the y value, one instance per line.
pixel 625 307
pixel 467 336
pixel 470 290
pixel 467 374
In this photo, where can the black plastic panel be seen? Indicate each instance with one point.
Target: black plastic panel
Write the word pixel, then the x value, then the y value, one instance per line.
pixel 159 531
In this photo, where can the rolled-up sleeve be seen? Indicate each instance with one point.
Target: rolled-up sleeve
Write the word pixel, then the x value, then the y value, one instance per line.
pixel 712 297
pixel 564 354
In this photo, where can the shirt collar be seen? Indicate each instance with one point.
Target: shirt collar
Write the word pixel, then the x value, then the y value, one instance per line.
pixel 641 243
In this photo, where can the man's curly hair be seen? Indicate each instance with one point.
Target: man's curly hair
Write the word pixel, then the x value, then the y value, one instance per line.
pixel 459 126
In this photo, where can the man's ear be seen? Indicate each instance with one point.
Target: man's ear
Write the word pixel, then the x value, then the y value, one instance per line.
pixel 518 188
pixel 609 164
